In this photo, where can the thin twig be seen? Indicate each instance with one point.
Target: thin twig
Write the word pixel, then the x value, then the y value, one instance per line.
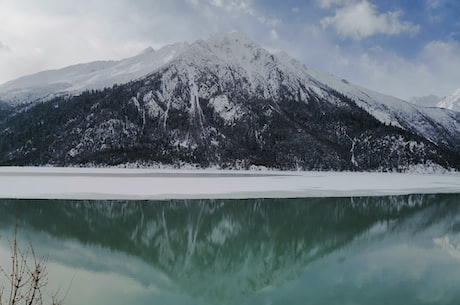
pixel 27 278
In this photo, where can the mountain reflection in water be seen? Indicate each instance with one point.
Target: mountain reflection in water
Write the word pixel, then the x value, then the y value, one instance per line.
pixel 369 250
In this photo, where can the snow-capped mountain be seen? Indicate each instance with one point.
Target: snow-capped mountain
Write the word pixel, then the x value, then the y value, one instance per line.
pixel 451 102
pixel 222 102
pixel 89 76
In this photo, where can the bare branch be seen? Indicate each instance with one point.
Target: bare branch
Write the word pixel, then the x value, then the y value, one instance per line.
pixel 27 277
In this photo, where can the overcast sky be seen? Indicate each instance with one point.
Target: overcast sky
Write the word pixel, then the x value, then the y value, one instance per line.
pixel 403 48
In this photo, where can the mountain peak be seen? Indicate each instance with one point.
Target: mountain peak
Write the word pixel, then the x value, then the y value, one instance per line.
pixel 451 102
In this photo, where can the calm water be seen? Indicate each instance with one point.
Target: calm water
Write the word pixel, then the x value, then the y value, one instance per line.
pixel 384 250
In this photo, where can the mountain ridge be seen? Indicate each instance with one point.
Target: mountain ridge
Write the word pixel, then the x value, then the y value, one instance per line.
pixel 228 101
pixel 77 78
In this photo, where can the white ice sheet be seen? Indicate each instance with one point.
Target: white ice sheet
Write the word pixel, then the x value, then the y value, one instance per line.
pixel 84 183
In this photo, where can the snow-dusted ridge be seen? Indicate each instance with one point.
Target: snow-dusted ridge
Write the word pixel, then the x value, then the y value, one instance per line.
pixel 221 51
pixel 110 183
pixel 94 75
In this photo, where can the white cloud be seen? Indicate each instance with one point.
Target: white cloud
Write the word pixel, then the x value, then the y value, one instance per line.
pixel 433 3
pixel 194 3
pixel 295 10
pixel 50 34
pixel 359 19
pixel 329 3
pixel 274 35
pixel 244 7
pixel 4 47
pixel 434 70
pixel 431 69
pixel 44 41
pixel 233 5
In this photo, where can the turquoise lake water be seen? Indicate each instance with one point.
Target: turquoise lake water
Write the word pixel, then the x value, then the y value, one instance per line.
pixel 366 250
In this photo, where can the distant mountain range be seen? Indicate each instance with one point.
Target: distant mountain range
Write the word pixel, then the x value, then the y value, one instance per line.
pixel 224 102
pixel 451 102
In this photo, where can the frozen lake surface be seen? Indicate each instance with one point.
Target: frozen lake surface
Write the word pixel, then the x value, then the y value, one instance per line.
pixel 91 183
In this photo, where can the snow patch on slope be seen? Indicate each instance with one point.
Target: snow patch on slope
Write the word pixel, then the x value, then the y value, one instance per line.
pixel 153 109
pixel 226 109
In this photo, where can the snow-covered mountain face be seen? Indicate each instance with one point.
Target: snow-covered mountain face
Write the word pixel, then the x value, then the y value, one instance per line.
pixel 451 102
pixel 90 76
pixel 226 102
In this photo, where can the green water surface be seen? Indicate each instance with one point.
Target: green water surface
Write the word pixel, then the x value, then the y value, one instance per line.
pixel 366 250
